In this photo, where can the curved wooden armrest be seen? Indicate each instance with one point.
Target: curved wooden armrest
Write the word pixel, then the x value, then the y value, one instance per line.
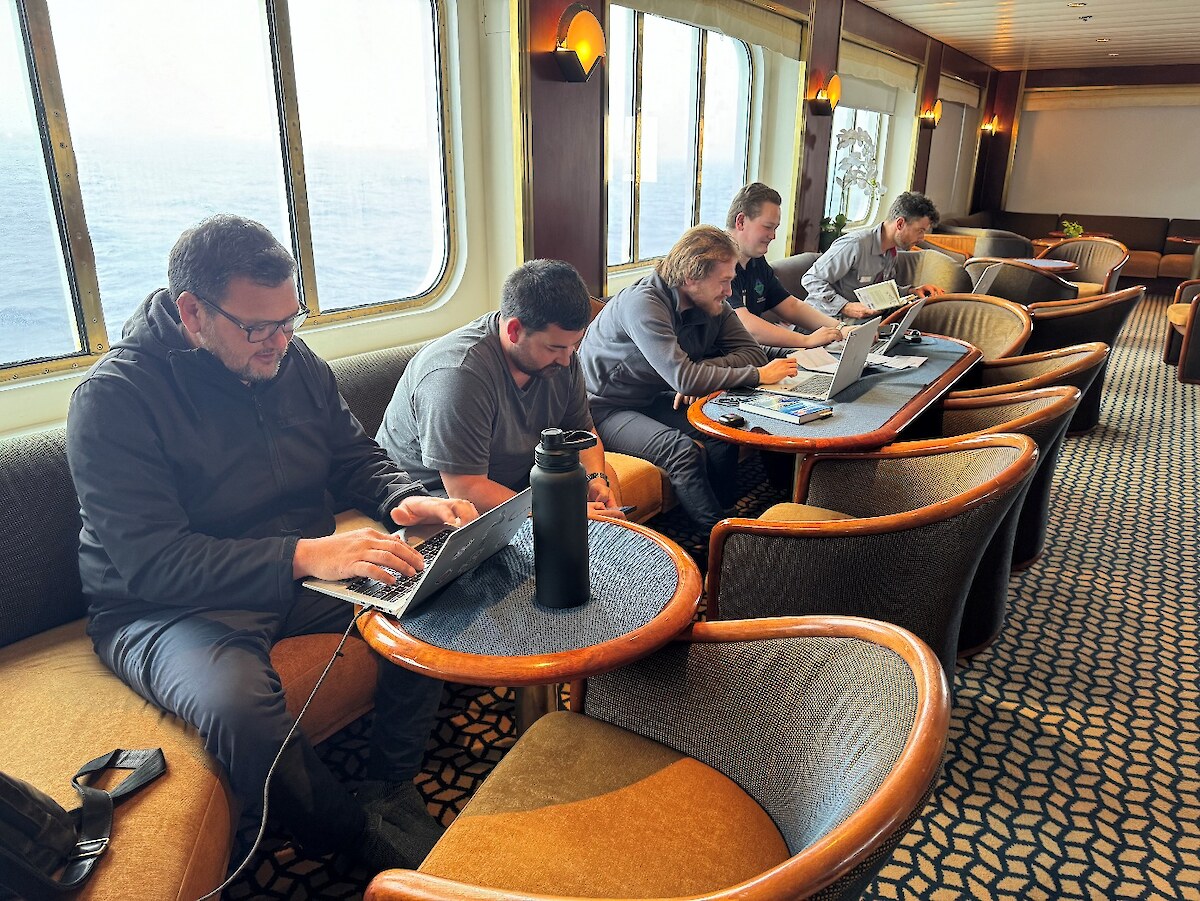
pixel 1052 309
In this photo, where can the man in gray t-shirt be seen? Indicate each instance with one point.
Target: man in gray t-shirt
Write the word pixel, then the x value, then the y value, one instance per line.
pixel 471 406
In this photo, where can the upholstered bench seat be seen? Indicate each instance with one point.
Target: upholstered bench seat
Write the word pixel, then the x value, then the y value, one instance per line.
pixel 1177 314
pixel 801 513
pixel 580 807
pixel 61 707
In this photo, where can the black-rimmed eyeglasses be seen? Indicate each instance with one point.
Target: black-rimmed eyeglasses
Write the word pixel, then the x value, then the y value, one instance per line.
pixel 257 334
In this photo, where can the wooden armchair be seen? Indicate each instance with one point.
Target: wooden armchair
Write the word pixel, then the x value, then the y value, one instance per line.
pixel 998 327
pixel 896 534
pixel 1042 414
pixel 747 761
pixel 1076 365
pixel 1100 262
pixel 1017 281
pixel 1066 322
pixel 1183 336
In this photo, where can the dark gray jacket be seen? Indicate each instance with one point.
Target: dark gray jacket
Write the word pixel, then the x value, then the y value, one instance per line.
pixel 194 487
pixel 641 346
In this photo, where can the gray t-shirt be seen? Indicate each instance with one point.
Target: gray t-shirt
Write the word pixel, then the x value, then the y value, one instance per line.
pixel 457 409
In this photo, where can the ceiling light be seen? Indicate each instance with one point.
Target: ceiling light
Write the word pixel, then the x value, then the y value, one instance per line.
pixel 1075 5
pixel 1085 18
pixel 1114 54
pixel 1101 40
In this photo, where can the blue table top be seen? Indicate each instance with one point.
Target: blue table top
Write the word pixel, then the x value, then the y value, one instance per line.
pixel 870 403
pixel 492 610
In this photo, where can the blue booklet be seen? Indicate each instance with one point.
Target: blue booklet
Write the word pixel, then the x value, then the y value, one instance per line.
pixel 789 409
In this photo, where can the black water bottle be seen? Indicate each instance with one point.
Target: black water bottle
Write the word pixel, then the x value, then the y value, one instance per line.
pixel 560 526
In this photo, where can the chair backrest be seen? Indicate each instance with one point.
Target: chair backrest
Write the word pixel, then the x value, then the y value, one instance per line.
pixel 996 243
pixel 1188 365
pixel 1076 365
pixel 835 726
pixel 932 267
pixel 922 514
pixel 1100 260
pixel 1065 322
pixel 1022 283
pixel 790 271
pixel 39 532
pixel 999 328
pixel 368 380
pixel 1044 416
pixel 940 244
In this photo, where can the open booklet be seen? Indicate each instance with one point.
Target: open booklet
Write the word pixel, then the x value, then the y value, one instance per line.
pixel 882 296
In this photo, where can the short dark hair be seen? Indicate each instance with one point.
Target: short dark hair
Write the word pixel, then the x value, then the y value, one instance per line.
pixel 913 205
pixel 223 247
pixel 542 293
pixel 750 200
pixel 695 254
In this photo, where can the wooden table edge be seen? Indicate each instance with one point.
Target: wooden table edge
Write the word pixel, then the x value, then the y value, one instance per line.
pixel 388 638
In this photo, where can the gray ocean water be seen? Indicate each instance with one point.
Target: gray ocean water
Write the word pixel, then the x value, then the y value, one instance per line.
pixel 375 233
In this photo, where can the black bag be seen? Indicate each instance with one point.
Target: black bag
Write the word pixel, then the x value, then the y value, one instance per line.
pixel 38 837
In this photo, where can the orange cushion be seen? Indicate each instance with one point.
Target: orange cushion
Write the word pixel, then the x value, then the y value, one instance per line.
pixel 1088 289
pixel 582 808
pixel 1177 314
pixel 61 707
pixel 1175 265
pixel 641 484
pixel 801 513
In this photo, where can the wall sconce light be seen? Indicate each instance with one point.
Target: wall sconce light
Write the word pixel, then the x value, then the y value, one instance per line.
pixel 932 116
pixel 825 100
pixel 580 43
pixel 991 126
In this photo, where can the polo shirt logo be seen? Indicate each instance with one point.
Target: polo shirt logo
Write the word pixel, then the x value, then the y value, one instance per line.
pixel 759 287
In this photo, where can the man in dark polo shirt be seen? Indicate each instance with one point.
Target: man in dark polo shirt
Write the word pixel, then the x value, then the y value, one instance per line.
pixel 752 220
pixel 470 407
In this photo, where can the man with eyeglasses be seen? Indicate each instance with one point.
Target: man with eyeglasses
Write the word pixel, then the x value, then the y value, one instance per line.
pixel 205 447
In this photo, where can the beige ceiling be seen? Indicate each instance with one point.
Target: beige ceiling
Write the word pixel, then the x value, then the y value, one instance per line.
pixel 1048 34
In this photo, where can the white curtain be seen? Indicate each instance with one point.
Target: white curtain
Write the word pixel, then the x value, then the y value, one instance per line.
pixel 732 18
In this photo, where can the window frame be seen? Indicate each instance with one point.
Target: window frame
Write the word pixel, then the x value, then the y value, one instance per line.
pixel 882 129
pixel 49 106
pixel 637 55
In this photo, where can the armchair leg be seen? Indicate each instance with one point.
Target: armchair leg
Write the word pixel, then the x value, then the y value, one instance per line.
pixel 1087 414
pixel 1173 347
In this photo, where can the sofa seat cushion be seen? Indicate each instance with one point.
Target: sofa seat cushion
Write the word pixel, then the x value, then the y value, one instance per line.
pixel 61 707
pixel 641 484
pixel 801 513
pixel 1177 314
pixel 1089 289
pixel 579 807
pixel 347 694
pixel 1176 265
pixel 1142 264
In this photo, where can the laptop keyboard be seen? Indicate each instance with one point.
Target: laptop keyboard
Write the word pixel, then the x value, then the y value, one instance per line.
pixel 373 588
pixel 814 384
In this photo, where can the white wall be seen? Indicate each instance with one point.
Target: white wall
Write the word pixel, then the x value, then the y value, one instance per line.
pixel 1123 161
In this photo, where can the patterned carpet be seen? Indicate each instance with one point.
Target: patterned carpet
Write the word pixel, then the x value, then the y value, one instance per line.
pixel 1071 770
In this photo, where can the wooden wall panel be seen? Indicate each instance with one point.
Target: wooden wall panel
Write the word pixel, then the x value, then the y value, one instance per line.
pixel 1112 75
pixel 864 22
pixel 826 22
pixel 994 150
pixel 566 151
pixel 931 76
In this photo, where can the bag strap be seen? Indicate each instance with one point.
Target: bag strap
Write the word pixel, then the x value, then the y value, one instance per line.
pixel 96 813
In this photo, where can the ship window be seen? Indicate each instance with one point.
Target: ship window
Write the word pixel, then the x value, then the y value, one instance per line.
pixel 855 185
pixel 679 120
pixel 121 126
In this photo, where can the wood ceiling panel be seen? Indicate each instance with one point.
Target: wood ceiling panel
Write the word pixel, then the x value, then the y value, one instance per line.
pixel 1049 34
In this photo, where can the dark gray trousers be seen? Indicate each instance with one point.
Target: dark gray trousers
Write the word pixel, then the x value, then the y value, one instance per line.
pixel 703 476
pixel 212 668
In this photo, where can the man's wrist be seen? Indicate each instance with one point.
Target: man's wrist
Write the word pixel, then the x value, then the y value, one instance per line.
pixel 599 475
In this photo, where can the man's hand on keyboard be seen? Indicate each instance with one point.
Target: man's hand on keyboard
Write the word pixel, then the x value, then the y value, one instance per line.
pixel 452 512
pixel 361 552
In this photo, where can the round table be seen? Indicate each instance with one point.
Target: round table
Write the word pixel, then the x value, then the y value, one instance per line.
pixel 486 628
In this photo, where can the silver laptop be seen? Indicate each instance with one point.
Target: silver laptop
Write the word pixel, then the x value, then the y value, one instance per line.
pixel 819 385
pixel 448 554
pixel 910 315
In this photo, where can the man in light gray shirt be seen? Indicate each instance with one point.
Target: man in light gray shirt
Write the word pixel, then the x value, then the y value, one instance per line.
pixel 867 257
pixel 470 407
pixel 662 342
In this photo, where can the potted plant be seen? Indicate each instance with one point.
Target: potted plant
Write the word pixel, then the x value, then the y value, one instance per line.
pixel 857 169
pixel 1071 229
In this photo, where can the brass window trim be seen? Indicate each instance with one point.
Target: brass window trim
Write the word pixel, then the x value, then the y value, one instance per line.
pixel 62 174
pixel 636 261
